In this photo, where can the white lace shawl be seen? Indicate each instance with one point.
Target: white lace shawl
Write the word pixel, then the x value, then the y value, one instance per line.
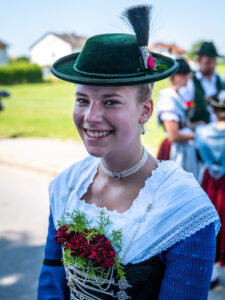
pixel 179 207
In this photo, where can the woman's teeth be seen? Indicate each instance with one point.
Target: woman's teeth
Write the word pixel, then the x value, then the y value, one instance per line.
pixel 97 133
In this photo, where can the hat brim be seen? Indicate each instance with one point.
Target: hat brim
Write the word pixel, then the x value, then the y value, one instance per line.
pixel 216 104
pixel 63 69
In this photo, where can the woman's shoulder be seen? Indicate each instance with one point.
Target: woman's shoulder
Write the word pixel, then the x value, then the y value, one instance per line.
pixel 176 186
pixel 166 92
pixel 205 129
pixel 168 100
pixel 76 171
pixel 170 175
pixel 68 181
pixel 205 132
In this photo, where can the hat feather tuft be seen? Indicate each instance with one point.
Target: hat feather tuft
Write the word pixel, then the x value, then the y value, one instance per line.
pixel 138 19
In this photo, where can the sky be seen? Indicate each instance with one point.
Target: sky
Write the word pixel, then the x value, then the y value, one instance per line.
pixel 184 22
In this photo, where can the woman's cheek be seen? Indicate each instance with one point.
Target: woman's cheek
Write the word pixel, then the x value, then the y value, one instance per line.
pixel 76 116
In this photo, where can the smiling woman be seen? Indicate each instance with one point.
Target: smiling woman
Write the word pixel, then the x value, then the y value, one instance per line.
pixel 109 120
pixel 126 225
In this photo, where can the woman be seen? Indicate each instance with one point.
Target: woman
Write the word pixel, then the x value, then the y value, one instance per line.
pixel 210 141
pixel 163 237
pixel 172 113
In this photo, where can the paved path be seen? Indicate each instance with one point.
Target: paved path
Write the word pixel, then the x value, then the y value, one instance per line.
pixel 24 210
pixel 46 155
pixel 27 165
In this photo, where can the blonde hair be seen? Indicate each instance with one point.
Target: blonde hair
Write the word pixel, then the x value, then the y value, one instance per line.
pixel 144 92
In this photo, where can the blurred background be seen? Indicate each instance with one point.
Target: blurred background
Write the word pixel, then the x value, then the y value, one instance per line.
pixel 37 135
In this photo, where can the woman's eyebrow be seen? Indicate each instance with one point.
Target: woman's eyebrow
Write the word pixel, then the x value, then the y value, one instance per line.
pixel 112 95
pixel 81 94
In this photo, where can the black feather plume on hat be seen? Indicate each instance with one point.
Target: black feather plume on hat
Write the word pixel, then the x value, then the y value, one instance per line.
pixel 138 19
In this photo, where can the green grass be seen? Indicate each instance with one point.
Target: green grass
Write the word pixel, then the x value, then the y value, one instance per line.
pixel 221 69
pixel 45 110
pixel 38 110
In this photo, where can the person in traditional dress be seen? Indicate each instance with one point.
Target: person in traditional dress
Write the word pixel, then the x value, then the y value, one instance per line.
pixel 172 113
pixel 210 141
pixel 165 221
pixel 205 83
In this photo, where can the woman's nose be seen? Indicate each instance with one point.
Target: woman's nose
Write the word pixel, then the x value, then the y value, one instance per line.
pixel 93 113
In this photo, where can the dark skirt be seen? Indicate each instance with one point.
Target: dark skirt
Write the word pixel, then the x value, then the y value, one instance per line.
pixel 164 150
pixel 215 188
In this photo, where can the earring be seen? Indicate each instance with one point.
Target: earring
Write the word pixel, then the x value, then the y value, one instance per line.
pixel 142 129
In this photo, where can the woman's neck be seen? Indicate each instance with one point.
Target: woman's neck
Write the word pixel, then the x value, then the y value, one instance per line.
pixel 144 172
pixel 123 160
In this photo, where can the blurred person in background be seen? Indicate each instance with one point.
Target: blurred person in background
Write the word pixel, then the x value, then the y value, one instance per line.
pixel 205 83
pixel 3 94
pixel 210 141
pixel 172 113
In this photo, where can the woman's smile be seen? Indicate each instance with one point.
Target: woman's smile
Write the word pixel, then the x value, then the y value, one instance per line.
pixel 97 133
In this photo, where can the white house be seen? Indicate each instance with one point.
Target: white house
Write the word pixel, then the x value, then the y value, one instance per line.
pixel 53 46
pixel 170 50
pixel 3 54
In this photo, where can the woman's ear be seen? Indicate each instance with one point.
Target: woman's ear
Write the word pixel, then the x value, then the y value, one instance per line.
pixel 147 110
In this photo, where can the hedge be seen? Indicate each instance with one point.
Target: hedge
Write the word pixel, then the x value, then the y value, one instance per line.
pixel 20 73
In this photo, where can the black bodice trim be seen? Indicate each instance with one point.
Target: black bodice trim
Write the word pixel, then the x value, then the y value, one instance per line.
pixel 145 279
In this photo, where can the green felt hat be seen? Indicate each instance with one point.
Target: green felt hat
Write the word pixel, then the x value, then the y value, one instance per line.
pixel 113 60
pixel 208 49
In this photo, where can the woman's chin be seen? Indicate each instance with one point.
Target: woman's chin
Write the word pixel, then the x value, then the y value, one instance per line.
pixel 94 152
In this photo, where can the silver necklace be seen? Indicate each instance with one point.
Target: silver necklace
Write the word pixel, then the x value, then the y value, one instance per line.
pixel 129 171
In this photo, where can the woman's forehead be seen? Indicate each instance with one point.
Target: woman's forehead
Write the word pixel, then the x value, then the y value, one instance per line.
pixel 105 90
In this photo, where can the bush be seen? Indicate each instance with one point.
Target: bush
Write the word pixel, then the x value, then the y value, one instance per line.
pixel 20 73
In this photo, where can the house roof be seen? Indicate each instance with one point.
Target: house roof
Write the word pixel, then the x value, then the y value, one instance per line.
pixel 72 39
pixel 172 48
pixel 3 45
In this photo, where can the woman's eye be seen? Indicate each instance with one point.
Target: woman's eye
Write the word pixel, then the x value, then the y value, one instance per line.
pixel 82 101
pixel 111 102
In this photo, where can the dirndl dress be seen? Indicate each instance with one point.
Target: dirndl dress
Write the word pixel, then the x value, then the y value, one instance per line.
pixel 171 107
pixel 211 145
pixel 215 188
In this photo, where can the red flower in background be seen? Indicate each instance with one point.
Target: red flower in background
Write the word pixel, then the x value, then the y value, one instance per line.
pixel 189 104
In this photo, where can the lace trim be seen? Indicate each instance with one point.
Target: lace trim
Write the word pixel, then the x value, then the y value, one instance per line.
pixel 156 174
pixel 181 231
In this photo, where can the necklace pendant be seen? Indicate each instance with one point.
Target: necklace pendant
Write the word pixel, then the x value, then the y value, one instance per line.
pixel 129 171
pixel 116 175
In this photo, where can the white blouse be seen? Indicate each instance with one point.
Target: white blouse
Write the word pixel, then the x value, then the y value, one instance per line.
pixel 170 207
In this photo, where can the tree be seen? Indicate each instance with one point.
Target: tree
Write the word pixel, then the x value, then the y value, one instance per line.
pixel 192 54
pixel 20 59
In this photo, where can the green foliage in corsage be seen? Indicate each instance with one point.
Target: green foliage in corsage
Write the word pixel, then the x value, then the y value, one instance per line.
pixel 88 247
